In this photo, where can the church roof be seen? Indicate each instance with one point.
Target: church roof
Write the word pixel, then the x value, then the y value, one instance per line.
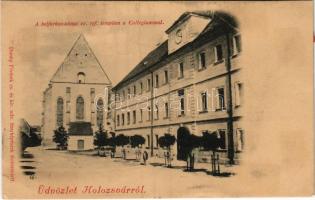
pixel 81 59
pixel 80 128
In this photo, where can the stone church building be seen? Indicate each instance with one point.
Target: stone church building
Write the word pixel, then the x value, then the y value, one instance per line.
pixel 78 85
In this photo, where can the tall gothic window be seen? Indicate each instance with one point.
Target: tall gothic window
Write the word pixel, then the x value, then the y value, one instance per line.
pixel 80 108
pixel 59 112
pixel 99 114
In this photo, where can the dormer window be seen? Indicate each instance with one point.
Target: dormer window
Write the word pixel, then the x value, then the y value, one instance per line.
pixel 236 44
pixel 81 77
pixel 218 54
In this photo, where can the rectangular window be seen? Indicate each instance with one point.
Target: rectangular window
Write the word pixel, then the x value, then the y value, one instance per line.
pixel 204 101
pixel 222 138
pixel 128 118
pixel 128 93
pixel 141 115
pixel 148 141
pixel 238 93
pixel 134 116
pixel 166 110
pixel 181 96
pixel 141 87
pixel 68 106
pixel 122 119
pixel 117 97
pixel 218 53
pixel 239 140
pixel 156 141
pixel 156 80
pixel 118 120
pixel 68 91
pixel 181 70
pixel 93 108
pixel 149 113
pixel 182 106
pixel 156 116
pixel 92 92
pixel 202 60
pixel 236 44
pixel 220 96
pixel 165 76
pixel 123 95
pixel 134 90
pixel 148 84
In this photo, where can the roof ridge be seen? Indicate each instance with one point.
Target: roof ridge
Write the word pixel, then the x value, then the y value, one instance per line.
pixel 134 70
pixel 79 38
pixel 61 65
pixel 97 60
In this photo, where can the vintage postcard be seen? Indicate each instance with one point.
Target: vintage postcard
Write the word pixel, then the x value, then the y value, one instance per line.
pixel 157 99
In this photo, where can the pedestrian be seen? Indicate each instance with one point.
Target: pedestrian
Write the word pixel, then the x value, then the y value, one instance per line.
pixel 168 158
pixel 138 153
pixel 124 153
pixel 145 157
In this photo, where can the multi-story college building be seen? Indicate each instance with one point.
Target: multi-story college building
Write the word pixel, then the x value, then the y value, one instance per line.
pixel 191 80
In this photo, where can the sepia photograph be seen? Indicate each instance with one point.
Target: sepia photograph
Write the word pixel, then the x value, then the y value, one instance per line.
pixel 157 99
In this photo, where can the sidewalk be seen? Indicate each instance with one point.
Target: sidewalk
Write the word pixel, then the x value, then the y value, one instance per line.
pixel 160 162
pixel 182 165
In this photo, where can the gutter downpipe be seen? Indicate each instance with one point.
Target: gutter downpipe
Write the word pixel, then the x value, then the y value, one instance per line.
pixel 151 113
pixel 230 104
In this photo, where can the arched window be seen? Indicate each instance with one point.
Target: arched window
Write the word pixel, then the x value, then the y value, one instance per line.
pixel 80 108
pixel 59 112
pixel 81 77
pixel 99 113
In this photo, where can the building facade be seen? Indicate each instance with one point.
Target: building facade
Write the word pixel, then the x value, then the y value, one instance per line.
pixel 79 83
pixel 191 80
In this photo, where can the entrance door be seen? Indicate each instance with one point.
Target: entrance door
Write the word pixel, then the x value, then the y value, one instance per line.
pixel 182 143
pixel 80 144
